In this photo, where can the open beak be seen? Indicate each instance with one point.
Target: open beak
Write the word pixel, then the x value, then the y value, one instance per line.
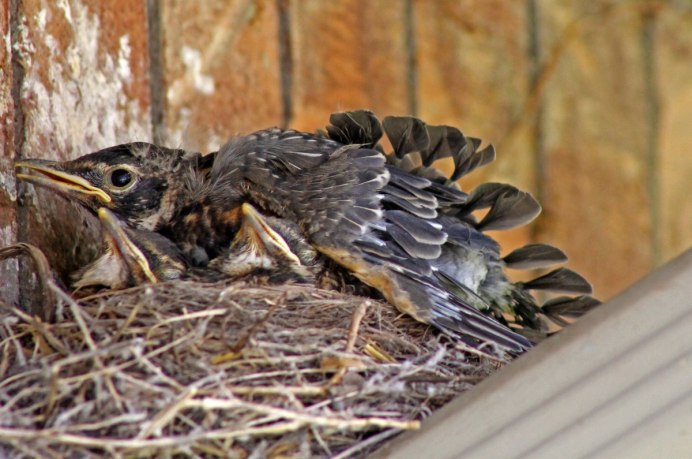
pixel 121 244
pixel 258 230
pixel 44 173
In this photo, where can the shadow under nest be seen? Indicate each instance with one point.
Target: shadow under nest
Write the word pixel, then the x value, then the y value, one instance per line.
pixel 221 370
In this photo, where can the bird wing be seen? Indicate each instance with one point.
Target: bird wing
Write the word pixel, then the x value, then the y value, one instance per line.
pixel 375 220
pixel 331 190
pixel 431 265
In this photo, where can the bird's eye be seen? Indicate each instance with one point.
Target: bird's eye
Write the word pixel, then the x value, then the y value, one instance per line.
pixel 120 179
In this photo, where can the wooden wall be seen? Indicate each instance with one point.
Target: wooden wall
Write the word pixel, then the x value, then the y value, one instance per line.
pixel 588 103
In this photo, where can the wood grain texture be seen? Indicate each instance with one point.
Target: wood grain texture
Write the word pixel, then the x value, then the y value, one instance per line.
pixel 347 55
pixel 220 69
pixel 674 77
pixel 596 202
pixel 86 82
pixel 85 86
pixel 8 187
pixel 473 73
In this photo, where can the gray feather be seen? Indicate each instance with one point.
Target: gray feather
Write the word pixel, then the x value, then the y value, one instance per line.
pixel 413 247
pixel 406 134
pixel 510 209
pixel 560 280
pixel 420 229
pixel 534 256
pixel 569 307
pixel 360 127
pixel 416 207
pixel 470 160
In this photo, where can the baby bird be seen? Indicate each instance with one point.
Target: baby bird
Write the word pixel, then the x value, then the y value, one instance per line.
pixel 131 257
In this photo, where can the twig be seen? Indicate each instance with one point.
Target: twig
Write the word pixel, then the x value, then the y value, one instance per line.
pixel 243 340
pixel 210 403
pixel 356 319
pixel 176 402
pixel 186 317
pixel 77 313
pixel 163 417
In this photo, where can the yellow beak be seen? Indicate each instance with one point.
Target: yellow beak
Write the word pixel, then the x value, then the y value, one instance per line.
pixel 118 240
pixel 63 182
pixel 254 222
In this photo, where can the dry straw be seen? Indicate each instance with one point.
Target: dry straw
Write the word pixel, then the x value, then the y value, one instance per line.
pixel 220 370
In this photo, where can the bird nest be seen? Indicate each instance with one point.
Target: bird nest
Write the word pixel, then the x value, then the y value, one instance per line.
pixel 221 369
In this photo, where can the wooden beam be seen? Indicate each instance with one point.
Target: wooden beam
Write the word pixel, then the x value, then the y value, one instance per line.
pixel 9 269
pixel 221 72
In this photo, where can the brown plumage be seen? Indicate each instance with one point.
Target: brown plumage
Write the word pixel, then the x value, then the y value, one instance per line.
pixel 333 206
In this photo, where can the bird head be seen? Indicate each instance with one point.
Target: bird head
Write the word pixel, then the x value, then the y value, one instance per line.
pixel 131 257
pixel 139 182
pixel 259 247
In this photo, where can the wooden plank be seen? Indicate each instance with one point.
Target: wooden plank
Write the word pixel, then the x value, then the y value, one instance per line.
pixel 615 384
pixel 221 70
pixel 673 53
pixel 596 132
pixel 87 76
pixel 473 69
pixel 85 86
pixel 8 196
pixel 347 55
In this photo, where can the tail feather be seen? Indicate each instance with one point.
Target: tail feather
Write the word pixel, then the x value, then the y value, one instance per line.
pixel 560 280
pixel 511 209
pixel 471 160
pixel 360 127
pixel 534 256
pixel 562 307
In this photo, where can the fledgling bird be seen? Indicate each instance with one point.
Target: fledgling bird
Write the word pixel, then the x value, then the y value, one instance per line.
pixel 258 247
pixel 131 257
pixel 334 202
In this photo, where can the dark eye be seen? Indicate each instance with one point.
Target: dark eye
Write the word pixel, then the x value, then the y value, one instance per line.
pixel 120 178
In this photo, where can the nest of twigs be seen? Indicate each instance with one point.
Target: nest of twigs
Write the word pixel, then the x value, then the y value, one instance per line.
pixel 221 370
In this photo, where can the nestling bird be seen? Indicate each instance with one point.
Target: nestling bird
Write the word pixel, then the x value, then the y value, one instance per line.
pixel 131 257
pixel 331 203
